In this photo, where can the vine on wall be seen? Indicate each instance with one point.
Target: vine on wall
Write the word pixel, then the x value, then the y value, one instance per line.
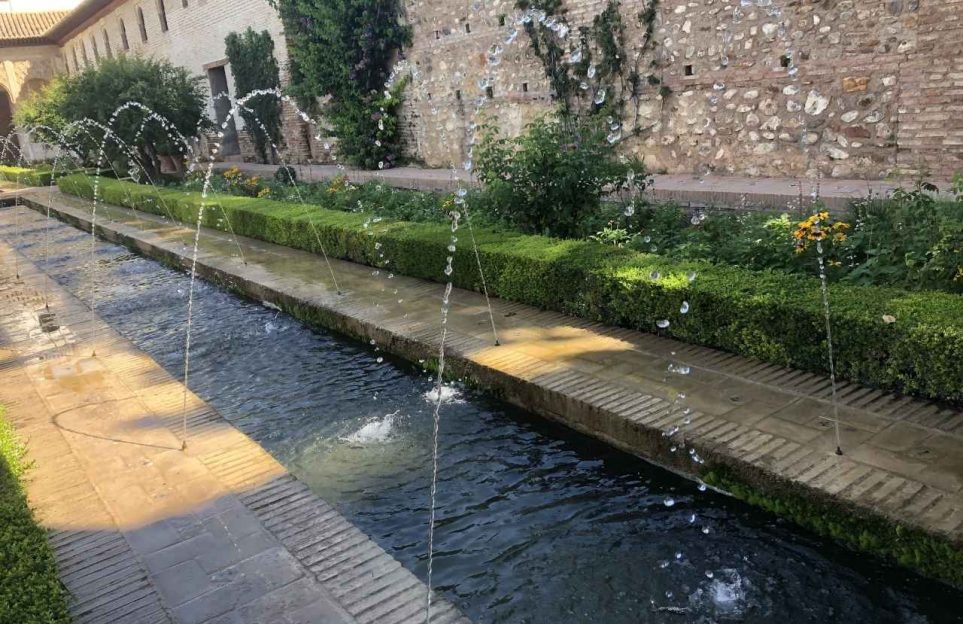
pixel 596 75
pixel 341 56
pixel 251 55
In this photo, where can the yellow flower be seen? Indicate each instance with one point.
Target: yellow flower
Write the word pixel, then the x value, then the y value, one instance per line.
pixel 264 192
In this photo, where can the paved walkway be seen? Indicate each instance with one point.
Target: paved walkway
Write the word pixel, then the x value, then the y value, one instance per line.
pixel 903 456
pixel 710 190
pixel 147 533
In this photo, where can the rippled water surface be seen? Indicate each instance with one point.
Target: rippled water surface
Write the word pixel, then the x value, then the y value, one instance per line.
pixel 536 523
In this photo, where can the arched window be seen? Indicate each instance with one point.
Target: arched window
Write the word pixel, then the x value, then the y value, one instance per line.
pixel 123 36
pixel 93 45
pixel 162 14
pixel 142 24
pixel 83 51
pixel 76 62
pixel 107 50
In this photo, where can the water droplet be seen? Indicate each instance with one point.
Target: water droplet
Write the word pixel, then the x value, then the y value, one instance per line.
pixel 629 210
pixel 692 519
pixel 678 556
pixel 380 360
pixel 599 97
pixel 663 564
pixel 449 270
pixel 576 56
pixel 691 275
pixel 381 165
pixel 669 502
pixel 662 323
pixel 591 71
pixel 654 274
pixel 705 530
pixel 684 309
pixel 703 487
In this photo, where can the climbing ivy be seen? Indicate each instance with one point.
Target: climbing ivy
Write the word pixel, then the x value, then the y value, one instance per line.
pixel 341 57
pixel 251 55
pixel 595 74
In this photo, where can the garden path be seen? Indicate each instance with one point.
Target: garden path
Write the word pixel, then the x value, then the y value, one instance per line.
pixel 709 190
pixel 145 532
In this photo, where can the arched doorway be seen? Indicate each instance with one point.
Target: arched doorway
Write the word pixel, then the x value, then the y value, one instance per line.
pixel 9 153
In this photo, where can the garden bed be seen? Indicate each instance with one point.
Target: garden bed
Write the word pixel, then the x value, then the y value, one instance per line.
pixel 908 342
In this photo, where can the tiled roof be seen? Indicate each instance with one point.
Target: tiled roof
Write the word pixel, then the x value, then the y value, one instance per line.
pixel 28 28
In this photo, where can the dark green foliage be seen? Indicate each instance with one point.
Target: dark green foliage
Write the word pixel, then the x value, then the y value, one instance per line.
pixel 251 55
pixel 30 590
pixel 772 316
pixel 44 108
pixel 344 49
pixel 551 179
pixel 910 239
pixel 286 175
pixel 98 92
pixel 931 556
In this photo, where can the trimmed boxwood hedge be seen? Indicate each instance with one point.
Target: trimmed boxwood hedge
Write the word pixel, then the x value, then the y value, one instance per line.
pixel 30 590
pixel 772 316
pixel 25 176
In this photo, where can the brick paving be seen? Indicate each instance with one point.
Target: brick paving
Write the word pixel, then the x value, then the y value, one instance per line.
pixel 145 532
pixel 903 456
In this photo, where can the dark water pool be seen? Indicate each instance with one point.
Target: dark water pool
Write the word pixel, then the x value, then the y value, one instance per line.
pixel 536 523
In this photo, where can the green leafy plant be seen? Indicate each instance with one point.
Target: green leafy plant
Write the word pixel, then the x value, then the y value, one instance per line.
pixel 774 316
pixel 342 51
pixel 551 179
pixel 912 238
pixel 591 72
pixel 30 590
pixel 251 55
pixel 97 93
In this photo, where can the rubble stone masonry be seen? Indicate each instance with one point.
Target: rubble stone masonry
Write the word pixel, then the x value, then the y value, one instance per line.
pixel 851 88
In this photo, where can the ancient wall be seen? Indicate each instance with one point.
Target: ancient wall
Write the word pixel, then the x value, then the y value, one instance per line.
pixel 851 88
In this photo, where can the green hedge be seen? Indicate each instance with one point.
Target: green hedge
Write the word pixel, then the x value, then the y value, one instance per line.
pixel 775 317
pixel 25 176
pixel 30 590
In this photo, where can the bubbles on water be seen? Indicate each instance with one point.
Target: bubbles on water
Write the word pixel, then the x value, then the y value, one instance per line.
pixel 679 369
pixel 373 431
pixel 669 502
pixel 449 394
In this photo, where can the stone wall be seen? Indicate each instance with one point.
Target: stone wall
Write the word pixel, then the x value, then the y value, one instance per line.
pixel 851 88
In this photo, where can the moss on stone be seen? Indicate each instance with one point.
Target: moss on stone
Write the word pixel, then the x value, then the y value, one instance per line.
pixel 930 555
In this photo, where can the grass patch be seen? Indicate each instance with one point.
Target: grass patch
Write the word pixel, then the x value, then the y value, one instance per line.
pixel 769 315
pixel 30 590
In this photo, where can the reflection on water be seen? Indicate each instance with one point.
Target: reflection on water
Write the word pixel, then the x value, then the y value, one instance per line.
pixel 536 523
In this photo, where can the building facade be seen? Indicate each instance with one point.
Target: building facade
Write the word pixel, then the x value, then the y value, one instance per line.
pixel 188 33
pixel 848 88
